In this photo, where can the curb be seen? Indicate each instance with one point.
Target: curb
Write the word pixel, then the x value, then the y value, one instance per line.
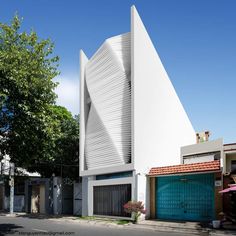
pixel 189 231
pixel 139 226
pixel 10 215
pixel 169 228
pixel 220 233
pixel 162 228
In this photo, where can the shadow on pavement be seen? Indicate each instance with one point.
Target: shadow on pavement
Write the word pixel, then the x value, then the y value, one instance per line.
pixel 8 229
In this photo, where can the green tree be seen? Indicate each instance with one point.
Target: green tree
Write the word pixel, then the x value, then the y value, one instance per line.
pixel 65 161
pixel 28 132
pixel 67 145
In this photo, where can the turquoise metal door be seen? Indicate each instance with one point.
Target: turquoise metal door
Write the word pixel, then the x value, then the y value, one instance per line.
pixel 186 197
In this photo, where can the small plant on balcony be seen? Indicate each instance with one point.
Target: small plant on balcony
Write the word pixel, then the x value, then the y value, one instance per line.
pixel 134 208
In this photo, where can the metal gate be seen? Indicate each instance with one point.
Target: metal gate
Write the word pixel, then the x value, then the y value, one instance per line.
pixel 77 199
pixel 186 197
pixel 67 198
pixel 109 200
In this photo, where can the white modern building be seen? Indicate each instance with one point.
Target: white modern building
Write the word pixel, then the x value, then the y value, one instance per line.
pixel 131 119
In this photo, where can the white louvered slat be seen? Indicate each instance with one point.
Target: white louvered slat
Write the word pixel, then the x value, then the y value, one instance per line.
pixel 108 130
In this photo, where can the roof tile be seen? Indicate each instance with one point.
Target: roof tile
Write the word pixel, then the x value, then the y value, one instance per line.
pixel 185 168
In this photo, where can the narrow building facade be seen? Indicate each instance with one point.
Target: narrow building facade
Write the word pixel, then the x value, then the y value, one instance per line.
pixel 130 120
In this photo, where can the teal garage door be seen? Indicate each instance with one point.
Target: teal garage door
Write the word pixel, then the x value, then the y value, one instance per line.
pixel 186 197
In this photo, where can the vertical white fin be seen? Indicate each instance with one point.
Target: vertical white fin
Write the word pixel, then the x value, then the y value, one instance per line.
pixel 160 123
pixel 83 106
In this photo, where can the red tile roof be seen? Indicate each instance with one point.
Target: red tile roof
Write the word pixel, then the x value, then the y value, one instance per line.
pixel 186 168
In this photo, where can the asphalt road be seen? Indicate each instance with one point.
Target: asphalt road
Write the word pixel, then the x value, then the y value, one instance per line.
pixel 28 226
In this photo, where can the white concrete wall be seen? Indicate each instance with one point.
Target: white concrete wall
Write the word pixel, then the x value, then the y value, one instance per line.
pixel 210 146
pixel 160 123
pixel 83 108
pixel 205 147
pixel 142 191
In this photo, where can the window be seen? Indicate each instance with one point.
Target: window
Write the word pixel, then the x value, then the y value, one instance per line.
pixel 115 175
pixel 233 165
pixel 201 157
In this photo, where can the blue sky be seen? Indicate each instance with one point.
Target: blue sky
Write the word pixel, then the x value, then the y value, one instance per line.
pixel 196 40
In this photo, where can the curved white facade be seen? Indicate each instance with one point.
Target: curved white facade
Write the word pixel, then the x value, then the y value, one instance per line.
pixel 108 125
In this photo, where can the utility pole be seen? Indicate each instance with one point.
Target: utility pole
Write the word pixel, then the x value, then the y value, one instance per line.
pixel 11 184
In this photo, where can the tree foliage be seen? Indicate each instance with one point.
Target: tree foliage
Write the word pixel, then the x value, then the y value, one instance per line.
pixel 65 161
pixel 31 126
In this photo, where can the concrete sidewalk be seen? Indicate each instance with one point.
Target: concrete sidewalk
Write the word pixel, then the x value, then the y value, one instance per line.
pixel 181 227
pixel 194 228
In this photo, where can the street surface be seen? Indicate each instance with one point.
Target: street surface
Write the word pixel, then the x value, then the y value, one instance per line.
pixel 22 225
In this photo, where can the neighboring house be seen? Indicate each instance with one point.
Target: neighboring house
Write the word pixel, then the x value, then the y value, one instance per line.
pixel 226 153
pixel 191 190
pixel 229 158
pixel 56 195
pixel 20 176
pixel 203 152
pixel 185 192
pixel 39 195
pixel 34 194
pixel 229 171
pixel 130 120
